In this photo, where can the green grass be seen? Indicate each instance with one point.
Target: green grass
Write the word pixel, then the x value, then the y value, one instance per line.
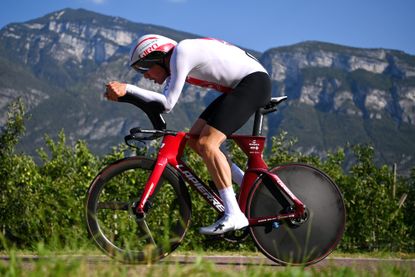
pixel 81 262
pixel 81 266
pixel 93 251
pixel 375 254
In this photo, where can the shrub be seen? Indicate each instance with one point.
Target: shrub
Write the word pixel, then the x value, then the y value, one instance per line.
pixel 45 202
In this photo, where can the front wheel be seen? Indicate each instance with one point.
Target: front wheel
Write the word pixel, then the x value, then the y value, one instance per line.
pixel 295 242
pixel 116 229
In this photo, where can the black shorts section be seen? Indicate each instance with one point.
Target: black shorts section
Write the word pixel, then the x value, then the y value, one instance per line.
pixel 230 111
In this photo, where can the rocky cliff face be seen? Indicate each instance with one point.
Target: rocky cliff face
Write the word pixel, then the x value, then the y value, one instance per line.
pixel 363 82
pixel 64 39
pixel 342 95
pixel 59 64
pixel 337 94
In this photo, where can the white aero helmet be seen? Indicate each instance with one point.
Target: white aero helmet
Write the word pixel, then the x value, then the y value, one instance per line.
pixel 150 49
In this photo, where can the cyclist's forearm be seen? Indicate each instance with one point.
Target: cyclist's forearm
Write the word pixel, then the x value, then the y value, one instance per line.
pixel 147 95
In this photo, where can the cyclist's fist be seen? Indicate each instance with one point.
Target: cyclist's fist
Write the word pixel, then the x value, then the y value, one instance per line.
pixel 114 90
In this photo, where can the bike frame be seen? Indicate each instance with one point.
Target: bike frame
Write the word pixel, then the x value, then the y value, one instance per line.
pixel 171 152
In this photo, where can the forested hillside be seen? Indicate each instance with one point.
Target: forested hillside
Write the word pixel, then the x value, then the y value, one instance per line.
pixel 338 95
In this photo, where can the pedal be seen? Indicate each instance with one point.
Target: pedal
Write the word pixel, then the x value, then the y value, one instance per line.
pixel 211 238
pixel 237 236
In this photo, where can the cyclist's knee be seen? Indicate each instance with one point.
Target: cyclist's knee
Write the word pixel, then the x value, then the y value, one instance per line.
pixel 192 143
pixel 206 147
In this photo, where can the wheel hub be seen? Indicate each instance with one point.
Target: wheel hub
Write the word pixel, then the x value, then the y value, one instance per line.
pixel 296 222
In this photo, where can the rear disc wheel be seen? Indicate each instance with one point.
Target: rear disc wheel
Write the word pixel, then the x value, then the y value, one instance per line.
pixel 298 241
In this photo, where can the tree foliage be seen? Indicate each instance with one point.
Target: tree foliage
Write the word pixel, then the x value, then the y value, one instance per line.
pixel 44 201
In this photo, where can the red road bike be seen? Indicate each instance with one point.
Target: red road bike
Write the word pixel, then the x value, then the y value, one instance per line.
pixel 138 209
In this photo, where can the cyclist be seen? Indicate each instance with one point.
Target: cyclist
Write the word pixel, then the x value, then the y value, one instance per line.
pixel 211 63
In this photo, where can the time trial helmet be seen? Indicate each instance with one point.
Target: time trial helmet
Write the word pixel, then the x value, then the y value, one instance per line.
pixel 150 49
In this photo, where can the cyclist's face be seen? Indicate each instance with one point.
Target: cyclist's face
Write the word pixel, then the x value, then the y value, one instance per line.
pixel 156 73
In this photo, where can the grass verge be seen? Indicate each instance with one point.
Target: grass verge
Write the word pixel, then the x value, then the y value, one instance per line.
pixel 47 264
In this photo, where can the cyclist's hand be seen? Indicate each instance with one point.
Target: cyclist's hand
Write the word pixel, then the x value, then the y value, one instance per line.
pixel 114 90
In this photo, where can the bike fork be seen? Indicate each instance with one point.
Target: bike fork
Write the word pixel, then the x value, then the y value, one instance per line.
pixel 150 186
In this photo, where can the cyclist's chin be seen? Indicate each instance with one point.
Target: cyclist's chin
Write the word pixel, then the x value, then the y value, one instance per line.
pixel 160 81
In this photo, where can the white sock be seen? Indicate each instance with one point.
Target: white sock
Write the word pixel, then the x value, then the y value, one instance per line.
pixel 237 174
pixel 229 201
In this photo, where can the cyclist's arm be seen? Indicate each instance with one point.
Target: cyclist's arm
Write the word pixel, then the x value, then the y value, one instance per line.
pixel 179 69
pixel 180 66
pixel 147 95
pixel 168 98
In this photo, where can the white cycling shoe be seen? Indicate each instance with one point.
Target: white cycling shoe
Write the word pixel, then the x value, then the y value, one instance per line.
pixel 225 224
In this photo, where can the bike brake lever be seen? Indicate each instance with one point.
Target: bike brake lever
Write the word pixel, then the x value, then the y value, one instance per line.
pixel 128 138
pixel 267 111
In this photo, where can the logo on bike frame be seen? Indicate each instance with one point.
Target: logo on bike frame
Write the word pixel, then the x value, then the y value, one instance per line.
pixel 254 146
pixel 201 188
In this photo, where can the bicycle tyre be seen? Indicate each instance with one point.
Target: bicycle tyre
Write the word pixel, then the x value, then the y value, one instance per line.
pixel 112 224
pixel 288 243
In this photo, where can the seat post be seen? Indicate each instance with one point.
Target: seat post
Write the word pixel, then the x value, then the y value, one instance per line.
pixel 258 120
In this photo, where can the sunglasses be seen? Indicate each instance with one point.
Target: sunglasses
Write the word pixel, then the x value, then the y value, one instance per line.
pixel 143 66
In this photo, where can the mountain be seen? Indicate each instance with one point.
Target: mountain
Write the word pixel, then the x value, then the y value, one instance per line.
pixel 337 94
pixel 59 64
pixel 342 95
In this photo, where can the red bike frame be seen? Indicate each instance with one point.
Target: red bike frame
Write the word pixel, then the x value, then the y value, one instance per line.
pixel 171 151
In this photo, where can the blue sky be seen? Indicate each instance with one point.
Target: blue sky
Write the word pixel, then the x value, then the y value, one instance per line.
pixel 254 24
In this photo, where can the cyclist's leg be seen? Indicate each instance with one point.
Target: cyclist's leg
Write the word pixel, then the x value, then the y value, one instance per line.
pixel 223 117
pixel 207 144
pixel 201 122
pixel 236 172
pixel 195 131
pixel 209 147
pixel 230 111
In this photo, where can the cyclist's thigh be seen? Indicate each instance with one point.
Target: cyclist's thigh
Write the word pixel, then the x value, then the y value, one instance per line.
pixel 195 132
pixel 231 111
pixel 198 126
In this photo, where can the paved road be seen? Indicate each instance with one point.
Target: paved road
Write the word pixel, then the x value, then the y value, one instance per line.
pixel 330 261
pixel 239 261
